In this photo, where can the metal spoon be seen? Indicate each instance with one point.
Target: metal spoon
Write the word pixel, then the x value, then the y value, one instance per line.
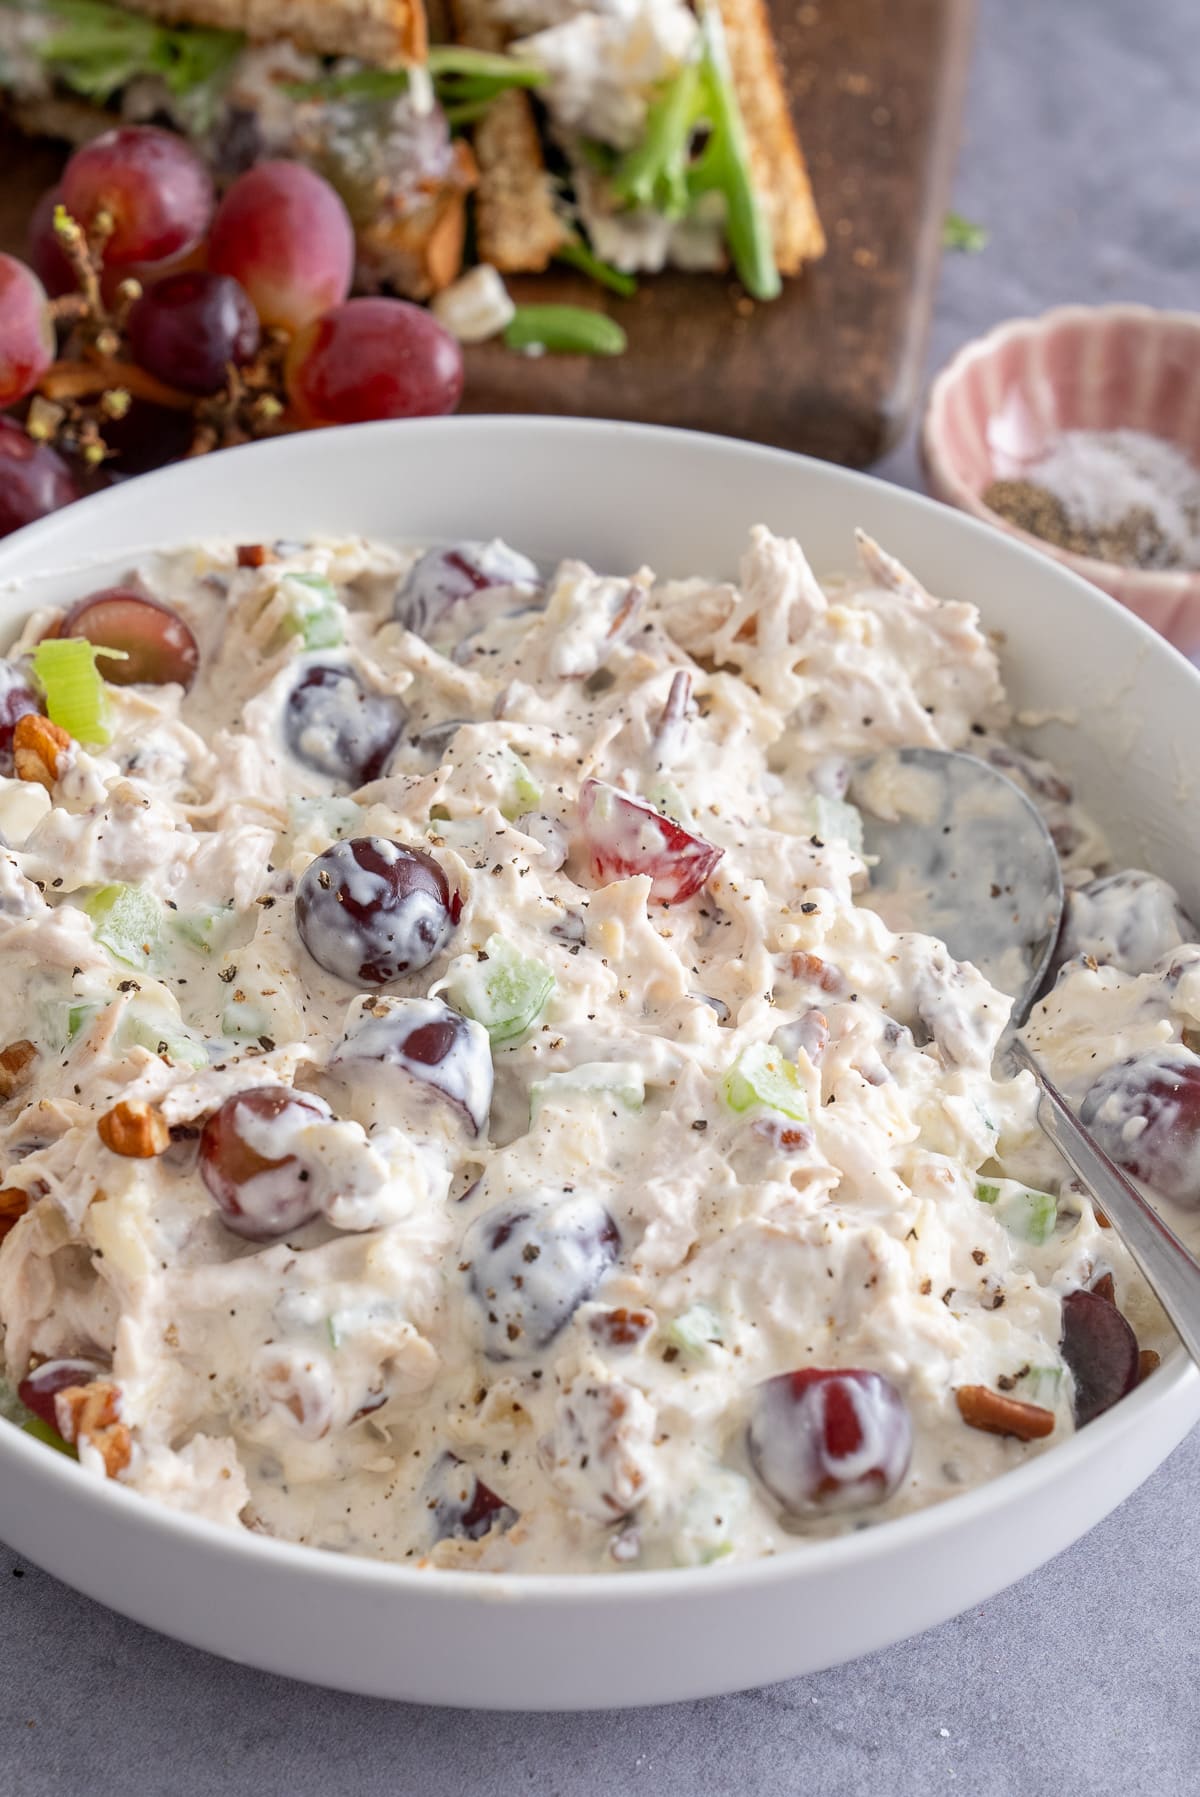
pixel 977 868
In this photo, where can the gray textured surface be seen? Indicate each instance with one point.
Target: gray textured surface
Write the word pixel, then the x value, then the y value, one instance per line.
pixel 1083 158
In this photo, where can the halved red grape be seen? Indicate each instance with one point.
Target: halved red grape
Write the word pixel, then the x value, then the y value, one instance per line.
pixel 528 1268
pixel 1127 920
pixel 369 910
pixel 39 1388
pixel 1145 1113
pixel 17 700
pixel 445 583
pixel 374 358
pixel 189 328
pixel 1102 1352
pixel 463 1506
pixel 429 1045
pixel 47 258
pixel 625 836
pixel 27 340
pixel 160 647
pixel 333 724
pixel 283 232
pixel 34 480
pixel 151 185
pixel 829 1439
pixel 248 1161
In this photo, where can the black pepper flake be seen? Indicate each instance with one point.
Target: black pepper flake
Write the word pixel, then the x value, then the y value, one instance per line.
pixel 670 1354
pixel 267 1043
pixel 227 975
pixel 816 842
pixel 700 1124
pixel 809 906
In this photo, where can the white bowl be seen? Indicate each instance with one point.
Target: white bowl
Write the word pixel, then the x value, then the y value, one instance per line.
pixel 618 495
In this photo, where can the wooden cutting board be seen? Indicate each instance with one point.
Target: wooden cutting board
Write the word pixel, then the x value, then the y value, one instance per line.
pixel 834 366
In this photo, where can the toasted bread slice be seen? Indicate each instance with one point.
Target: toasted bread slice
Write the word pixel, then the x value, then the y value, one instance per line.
pixel 517 228
pixel 776 159
pixel 385 32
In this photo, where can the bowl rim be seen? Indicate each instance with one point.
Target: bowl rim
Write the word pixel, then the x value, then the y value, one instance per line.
pixel 942 471
pixel 1174 1385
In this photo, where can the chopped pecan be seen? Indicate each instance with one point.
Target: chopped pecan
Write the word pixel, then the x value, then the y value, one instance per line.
pixel 13 1205
pixel 16 1066
pixel 1148 1360
pixel 982 1408
pixel 1104 1288
pixel 1100 1217
pixel 91 1413
pixel 621 1328
pixel 39 749
pixel 255 555
pixel 134 1128
pixel 811 967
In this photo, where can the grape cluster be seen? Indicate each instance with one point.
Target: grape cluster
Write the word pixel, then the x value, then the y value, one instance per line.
pixel 208 298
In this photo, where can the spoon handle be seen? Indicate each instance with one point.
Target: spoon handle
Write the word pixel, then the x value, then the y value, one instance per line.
pixel 1172 1273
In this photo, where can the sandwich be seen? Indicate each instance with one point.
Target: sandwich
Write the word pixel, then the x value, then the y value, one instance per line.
pixel 622 136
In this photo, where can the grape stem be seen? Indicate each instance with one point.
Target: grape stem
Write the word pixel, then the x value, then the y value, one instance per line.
pixel 661 173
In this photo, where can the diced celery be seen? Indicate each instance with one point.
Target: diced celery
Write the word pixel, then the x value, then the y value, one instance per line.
pixel 128 921
pixel 519 791
pixel 1041 1385
pixel 835 820
pixel 696 1329
pixel 79 1018
pixel 142 1027
pixel 335 1340
pixel 334 816
pixel 762 1075
pixel 76 699
pixel 207 929
pixel 1027 1214
pixel 711 1517
pixel 620 1080
pixel 244 1017
pixel 317 616
pixel 506 993
pixel 43 1432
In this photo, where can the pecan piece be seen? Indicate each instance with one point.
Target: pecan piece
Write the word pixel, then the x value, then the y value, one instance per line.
pixel 39 749
pixel 91 1413
pixel 811 967
pixel 255 555
pixel 621 1328
pixel 1148 1360
pixel 16 1066
pixel 134 1128
pixel 982 1408
pixel 1104 1288
pixel 13 1205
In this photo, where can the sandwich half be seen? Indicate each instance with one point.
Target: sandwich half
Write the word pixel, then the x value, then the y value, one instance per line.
pixel 669 131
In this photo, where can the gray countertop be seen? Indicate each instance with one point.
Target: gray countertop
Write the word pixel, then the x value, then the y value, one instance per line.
pixel 1082 156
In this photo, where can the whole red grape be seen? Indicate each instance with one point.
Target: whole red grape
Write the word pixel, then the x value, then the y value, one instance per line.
pixel 1102 1352
pixel 836 1440
pixel 248 1162
pixel 26 331
pixel 1145 1114
pixel 374 358
pixel 283 232
pixel 150 184
pixel 369 909
pixel 47 257
pixel 34 479
pixel 188 328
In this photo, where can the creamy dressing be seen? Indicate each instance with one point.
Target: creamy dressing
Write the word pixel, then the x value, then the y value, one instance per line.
pixel 709 1119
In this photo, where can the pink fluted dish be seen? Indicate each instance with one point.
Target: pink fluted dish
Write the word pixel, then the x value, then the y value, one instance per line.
pixel 994 409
